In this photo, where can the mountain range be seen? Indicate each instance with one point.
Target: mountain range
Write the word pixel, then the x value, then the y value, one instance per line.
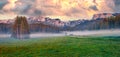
pixel 46 24
pixel 58 22
pixel 104 15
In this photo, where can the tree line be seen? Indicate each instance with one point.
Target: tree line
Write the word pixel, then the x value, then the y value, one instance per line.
pixel 98 24
pixel 20 29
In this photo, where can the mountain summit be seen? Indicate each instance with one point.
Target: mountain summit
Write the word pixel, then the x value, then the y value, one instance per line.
pixel 104 15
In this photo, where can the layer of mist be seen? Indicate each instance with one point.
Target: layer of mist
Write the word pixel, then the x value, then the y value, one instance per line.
pixel 111 32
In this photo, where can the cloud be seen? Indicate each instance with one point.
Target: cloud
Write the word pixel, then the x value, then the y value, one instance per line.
pixel 117 5
pixel 71 9
pixel 117 2
pixel 10 5
pixel 2 4
pixel 93 8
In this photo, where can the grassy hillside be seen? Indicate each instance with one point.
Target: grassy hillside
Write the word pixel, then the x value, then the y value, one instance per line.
pixel 61 47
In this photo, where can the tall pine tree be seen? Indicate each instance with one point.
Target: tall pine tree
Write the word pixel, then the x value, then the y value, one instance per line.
pixel 20 28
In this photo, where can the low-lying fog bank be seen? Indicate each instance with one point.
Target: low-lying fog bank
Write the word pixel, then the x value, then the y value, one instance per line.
pixel 96 33
pixel 73 33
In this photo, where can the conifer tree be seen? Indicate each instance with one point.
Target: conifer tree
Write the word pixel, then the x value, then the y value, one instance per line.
pixel 20 28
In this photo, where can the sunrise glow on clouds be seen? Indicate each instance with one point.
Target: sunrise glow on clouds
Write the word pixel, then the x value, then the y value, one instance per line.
pixel 63 9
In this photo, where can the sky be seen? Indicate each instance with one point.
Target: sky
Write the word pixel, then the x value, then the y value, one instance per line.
pixel 63 9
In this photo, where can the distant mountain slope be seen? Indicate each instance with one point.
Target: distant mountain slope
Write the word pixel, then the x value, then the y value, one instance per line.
pixel 46 24
pixel 104 15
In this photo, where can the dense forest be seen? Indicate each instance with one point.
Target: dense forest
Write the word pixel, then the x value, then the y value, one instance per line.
pixel 5 28
pixel 40 27
pixel 97 24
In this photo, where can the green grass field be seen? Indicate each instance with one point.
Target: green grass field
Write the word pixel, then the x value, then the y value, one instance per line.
pixel 61 47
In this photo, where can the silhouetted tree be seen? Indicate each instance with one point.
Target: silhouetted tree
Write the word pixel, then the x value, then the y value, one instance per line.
pixel 20 28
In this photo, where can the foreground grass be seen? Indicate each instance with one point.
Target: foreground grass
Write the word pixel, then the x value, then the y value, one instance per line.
pixel 61 47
